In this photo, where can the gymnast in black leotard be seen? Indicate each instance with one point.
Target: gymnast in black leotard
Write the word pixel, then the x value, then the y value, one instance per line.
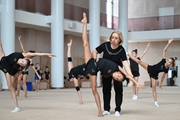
pixel 14 63
pixel 22 78
pixel 135 70
pixel 154 70
pixel 75 72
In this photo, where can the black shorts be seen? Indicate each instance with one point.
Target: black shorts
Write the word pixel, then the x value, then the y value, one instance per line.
pixel 150 71
pixel 46 78
pixel 25 72
pixel 91 67
pixel 3 65
pixel 135 73
pixel 72 74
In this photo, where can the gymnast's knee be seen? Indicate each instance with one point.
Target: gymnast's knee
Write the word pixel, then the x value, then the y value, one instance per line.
pixel 77 88
pixel 69 59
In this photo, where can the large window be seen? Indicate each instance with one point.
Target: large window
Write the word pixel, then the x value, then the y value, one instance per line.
pixel 112 11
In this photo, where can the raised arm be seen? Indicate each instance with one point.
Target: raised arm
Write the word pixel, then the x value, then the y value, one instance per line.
pixel 130 77
pixel 162 79
pixel 94 54
pixel 22 47
pixel 145 51
pixel 38 54
pixel 166 47
pixel 127 67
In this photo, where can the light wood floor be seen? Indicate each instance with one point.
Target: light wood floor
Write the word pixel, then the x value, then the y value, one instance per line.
pixel 62 104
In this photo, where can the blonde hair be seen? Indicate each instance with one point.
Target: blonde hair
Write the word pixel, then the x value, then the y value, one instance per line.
pixel 120 36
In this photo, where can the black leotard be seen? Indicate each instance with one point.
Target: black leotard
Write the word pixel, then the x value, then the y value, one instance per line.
pixel 8 64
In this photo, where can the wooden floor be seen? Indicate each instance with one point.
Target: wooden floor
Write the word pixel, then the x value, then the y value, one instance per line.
pixel 62 104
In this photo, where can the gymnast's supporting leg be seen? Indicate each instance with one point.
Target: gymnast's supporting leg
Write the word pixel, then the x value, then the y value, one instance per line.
pixel 154 92
pixel 9 80
pixel 76 84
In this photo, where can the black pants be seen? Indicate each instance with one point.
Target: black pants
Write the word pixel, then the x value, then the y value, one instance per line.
pixel 118 87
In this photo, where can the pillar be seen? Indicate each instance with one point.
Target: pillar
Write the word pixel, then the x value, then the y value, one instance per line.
pixel 57 44
pixel 7 32
pixel 94 24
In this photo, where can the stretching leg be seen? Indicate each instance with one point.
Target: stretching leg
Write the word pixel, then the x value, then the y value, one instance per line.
pixel 87 55
pixel 1 51
pixel 143 64
pixel 87 51
pixel 70 64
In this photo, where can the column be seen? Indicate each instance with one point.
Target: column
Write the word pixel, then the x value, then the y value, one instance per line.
pixel 57 43
pixel 7 31
pixel 123 21
pixel 94 24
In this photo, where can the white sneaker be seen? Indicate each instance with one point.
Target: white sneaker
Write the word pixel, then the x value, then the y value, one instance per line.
pixel 135 97
pixel 117 113
pixel 156 104
pixel 106 113
pixel 16 110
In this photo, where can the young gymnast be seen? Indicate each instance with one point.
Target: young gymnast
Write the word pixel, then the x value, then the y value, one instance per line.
pixel 36 78
pixel 24 74
pixel 12 64
pixel 106 67
pixel 155 69
pixel 75 72
pixel 47 77
pixel 135 69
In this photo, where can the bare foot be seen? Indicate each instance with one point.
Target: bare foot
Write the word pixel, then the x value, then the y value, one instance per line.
pixel 70 43
pixel 81 103
pixel 84 20
pixel 19 38
pixel 100 115
pixel 25 96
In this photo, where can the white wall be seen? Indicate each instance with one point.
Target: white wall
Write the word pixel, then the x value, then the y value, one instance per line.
pixel 156 35
pixel 149 8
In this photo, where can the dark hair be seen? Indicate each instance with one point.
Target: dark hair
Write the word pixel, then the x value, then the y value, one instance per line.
pixel 28 63
pixel 127 81
pixel 173 61
pixel 135 51
pixel 175 58
pixel 31 51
